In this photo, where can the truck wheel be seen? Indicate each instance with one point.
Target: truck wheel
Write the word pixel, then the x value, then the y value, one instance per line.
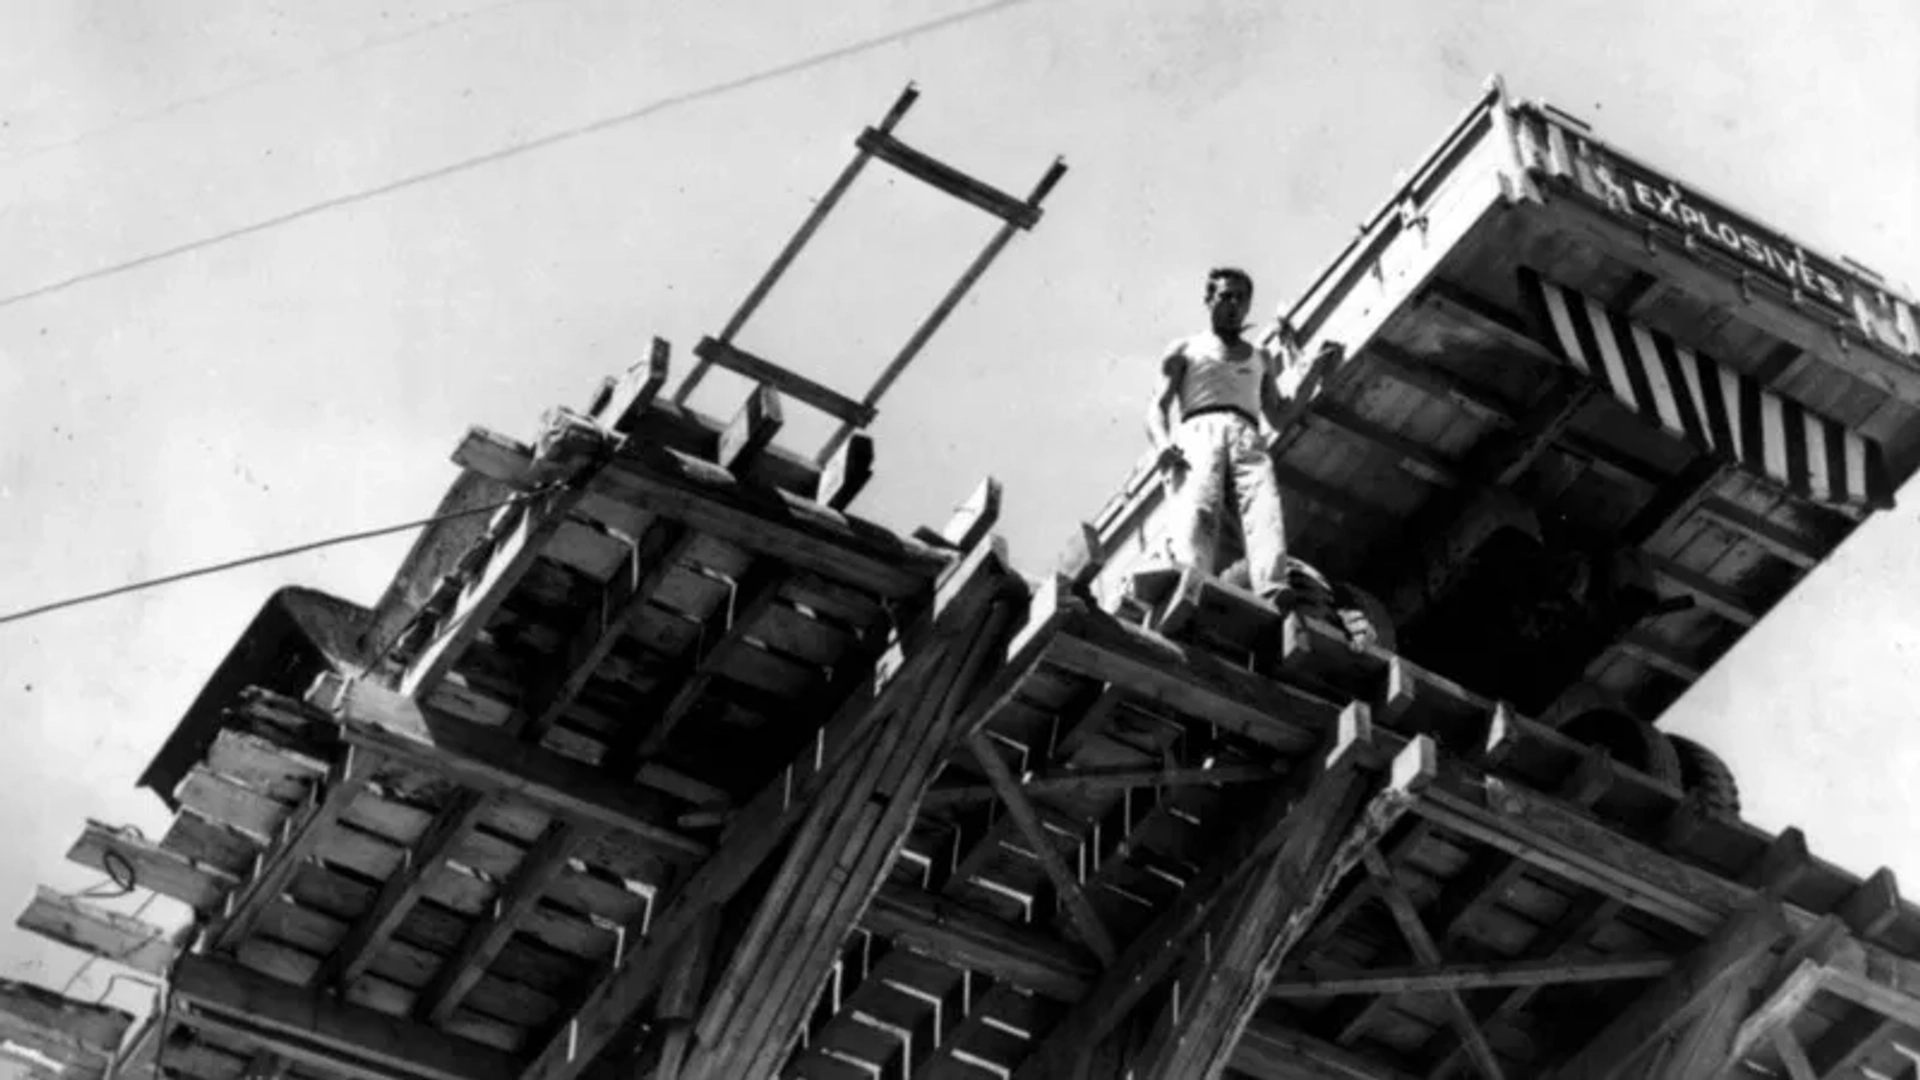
pixel 1705 776
pixel 1590 715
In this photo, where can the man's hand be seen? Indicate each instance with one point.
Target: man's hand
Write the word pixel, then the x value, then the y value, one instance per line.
pixel 1172 461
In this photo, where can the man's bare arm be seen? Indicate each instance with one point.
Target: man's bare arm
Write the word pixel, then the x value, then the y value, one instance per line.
pixel 1173 368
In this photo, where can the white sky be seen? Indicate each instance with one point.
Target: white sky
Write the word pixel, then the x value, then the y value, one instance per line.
pixel 311 378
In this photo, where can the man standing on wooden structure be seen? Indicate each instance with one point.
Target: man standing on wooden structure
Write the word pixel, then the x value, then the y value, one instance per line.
pixel 1213 455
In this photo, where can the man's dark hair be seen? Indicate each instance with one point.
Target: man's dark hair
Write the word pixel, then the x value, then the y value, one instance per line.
pixel 1229 273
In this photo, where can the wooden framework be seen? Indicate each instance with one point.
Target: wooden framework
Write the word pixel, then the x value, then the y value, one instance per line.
pixel 675 769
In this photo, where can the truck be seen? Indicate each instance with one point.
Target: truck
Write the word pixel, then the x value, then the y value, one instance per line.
pixel 1588 426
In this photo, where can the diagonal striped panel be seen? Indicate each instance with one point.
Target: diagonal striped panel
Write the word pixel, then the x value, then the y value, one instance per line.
pixel 1697 397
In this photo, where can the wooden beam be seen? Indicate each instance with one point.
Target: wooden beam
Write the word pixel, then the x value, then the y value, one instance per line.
pixel 620 402
pixel 764 823
pixel 1020 213
pixel 846 473
pixel 319 1030
pixel 753 594
pixel 974 518
pixel 1839 1053
pixel 1086 781
pixel 1420 943
pixel 791 383
pixel 538 869
pixel 60 1026
pixel 108 935
pixel 1458 976
pixel 1743 941
pixel 299 836
pixel 1792 1056
pixel 1802 981
pixel 1416 457
pixel 767 521
pixel 837 863
pixel 168 873
pixel 955 933
pixel 1280 829
pixel 1079 913
pixel 404 888
pixel 1217 990
pixel 1708 593
pixel 1547 834
pixel 1193 681
pixel 622 599
pixel 752 430
pixel 507 560
pixel 1272 1052
pixel 1873 906
pixel 487 759
pixel 1776 540
pixel 1564 940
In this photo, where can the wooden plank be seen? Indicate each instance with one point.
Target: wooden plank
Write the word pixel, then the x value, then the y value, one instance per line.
pixel 52 1023
pixel 224 800
pixel 263 765
pixel 1457 976
pixel 320 1031
pixel 485 938
pixel 1420 942
pixel 92 929
pixel 401 891
pixel 791 383
pixel 112 851
pixel 1005 952
pixel 751 430
pixel 768 521
pixel 1743 941
pixel 396 726
pixel 1080 914
pixel 298 838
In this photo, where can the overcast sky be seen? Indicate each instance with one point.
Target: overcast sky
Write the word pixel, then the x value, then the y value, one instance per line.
pixel 311 377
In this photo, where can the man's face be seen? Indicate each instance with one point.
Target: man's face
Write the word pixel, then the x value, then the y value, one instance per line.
pixel 1227 301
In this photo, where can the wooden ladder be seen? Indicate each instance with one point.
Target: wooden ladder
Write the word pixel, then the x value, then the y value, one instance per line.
pixel 875 142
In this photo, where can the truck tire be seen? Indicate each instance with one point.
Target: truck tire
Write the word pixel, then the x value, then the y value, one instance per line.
pixel 1707 778
pixel 1589 715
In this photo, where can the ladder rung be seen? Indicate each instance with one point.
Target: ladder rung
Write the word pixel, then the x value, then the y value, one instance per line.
pixel 948 179
pixel 790 383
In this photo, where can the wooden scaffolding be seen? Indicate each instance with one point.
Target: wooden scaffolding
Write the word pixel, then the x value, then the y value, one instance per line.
pixel 656 761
